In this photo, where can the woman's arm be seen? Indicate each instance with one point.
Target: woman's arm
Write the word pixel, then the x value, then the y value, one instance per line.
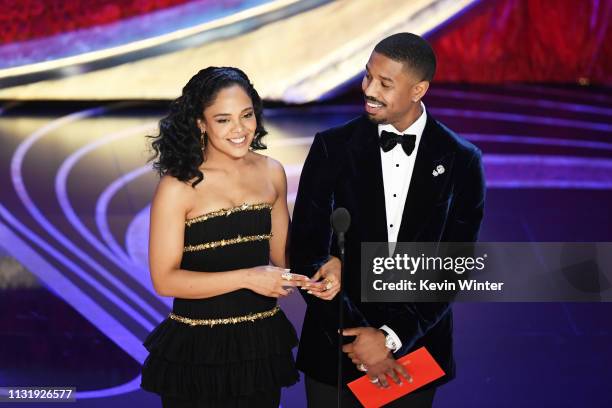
pixel 279 255
pixel 166 250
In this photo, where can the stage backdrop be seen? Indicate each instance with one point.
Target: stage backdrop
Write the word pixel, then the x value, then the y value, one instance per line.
pixel 294 51
pixel 529 41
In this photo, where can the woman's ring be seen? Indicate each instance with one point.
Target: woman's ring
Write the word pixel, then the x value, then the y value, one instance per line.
pixel 374 381
pixel 362 367
pixel 329 284
pixel 287 276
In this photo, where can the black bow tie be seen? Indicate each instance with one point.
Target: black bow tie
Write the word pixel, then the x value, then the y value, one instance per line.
pixel 388 140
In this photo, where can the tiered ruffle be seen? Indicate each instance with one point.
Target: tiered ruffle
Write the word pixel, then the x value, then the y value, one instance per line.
pixel 199 362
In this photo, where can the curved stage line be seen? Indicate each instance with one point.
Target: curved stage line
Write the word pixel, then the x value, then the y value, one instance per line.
pixel 227 26
pixel 113 252
pixel 36 213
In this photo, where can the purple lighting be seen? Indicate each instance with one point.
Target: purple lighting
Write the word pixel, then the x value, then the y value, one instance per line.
pixel 20 188
pixel 118 258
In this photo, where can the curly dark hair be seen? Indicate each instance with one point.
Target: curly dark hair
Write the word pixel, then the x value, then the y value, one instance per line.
pixel 177 149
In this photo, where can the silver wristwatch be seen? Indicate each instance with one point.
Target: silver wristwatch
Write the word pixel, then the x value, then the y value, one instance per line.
pixel 390 341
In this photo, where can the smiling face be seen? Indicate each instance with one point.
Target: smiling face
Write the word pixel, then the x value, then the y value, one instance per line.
pixel 229 123
pixel 392 92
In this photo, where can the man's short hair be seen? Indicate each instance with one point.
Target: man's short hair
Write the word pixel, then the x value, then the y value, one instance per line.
pixel 411 50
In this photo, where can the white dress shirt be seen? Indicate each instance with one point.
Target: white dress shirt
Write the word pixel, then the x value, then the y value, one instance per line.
pixel 397 170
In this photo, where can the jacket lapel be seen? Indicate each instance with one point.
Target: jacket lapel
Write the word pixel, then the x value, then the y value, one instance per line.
pixel 426 187
pixel 371 195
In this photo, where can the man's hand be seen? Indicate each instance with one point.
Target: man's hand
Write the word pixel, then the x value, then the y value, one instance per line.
pixel 369 346
pixel 326 282
pixel 388 367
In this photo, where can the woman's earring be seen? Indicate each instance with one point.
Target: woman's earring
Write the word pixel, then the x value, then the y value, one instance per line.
pixel 203 140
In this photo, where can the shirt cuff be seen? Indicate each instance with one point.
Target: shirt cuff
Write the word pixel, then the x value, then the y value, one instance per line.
pixel 391 333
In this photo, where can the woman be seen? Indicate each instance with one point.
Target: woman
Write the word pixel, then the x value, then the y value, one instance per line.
pixel 219 217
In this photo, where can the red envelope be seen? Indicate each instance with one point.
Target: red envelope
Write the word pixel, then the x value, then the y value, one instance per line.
pixel 419 364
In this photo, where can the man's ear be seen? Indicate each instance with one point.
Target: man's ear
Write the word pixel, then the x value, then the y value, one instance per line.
pixel 419 90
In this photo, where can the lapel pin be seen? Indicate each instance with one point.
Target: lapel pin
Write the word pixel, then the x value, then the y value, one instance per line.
pixel 438 170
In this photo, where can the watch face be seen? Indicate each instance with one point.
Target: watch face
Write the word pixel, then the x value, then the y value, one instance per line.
pixel 389 343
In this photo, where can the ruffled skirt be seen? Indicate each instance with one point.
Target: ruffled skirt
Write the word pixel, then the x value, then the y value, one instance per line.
pixel 220 362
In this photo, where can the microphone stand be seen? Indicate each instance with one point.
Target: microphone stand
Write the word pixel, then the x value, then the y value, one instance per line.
pixel 340 317
pixel 340 221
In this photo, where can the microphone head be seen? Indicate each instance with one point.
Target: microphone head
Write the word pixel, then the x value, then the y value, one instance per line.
pixel 340 220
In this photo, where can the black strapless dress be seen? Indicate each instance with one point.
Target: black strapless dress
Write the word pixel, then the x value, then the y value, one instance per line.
pixel 223 363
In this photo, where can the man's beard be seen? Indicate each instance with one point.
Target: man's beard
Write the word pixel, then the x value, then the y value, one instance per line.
pixel 370 117
pixel 377 121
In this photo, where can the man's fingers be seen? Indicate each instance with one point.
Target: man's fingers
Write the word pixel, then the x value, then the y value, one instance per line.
pixel 316 276
pixel 402 370
pixel 383 380
pixel 313 287
pixel 348 348
pixel 321 295
pixel 332 295
pixel 326 295
pixel 352 331
pixel 329 290
pixel 375 380
pixel 355 360
pixel 396 379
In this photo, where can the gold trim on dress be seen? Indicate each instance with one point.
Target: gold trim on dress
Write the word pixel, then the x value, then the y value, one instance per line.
pixel 251 317
pixel 226 212
pixel 224 242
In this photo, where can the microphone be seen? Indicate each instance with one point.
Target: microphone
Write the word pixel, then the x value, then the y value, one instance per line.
pixel 340 221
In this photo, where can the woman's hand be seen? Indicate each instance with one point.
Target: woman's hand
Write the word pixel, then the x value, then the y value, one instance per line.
pixel 327 280
pixel 273 281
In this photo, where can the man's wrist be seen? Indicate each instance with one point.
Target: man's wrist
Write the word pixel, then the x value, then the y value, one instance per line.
pixel 392 341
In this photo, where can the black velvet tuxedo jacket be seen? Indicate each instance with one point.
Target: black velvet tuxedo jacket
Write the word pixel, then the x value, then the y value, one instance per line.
pixel 343 169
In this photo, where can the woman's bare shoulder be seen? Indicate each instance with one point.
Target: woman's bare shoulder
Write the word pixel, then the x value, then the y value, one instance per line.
pixel 267 163
pixel 171 189
pixel 172 185
pixel 276 174
pixel 272 170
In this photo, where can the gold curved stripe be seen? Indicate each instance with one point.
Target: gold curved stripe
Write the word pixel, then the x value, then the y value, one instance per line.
pixel 228 320
pixel 224 242
pixel 227 211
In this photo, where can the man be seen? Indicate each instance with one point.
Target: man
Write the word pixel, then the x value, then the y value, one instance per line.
pixel 403 176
